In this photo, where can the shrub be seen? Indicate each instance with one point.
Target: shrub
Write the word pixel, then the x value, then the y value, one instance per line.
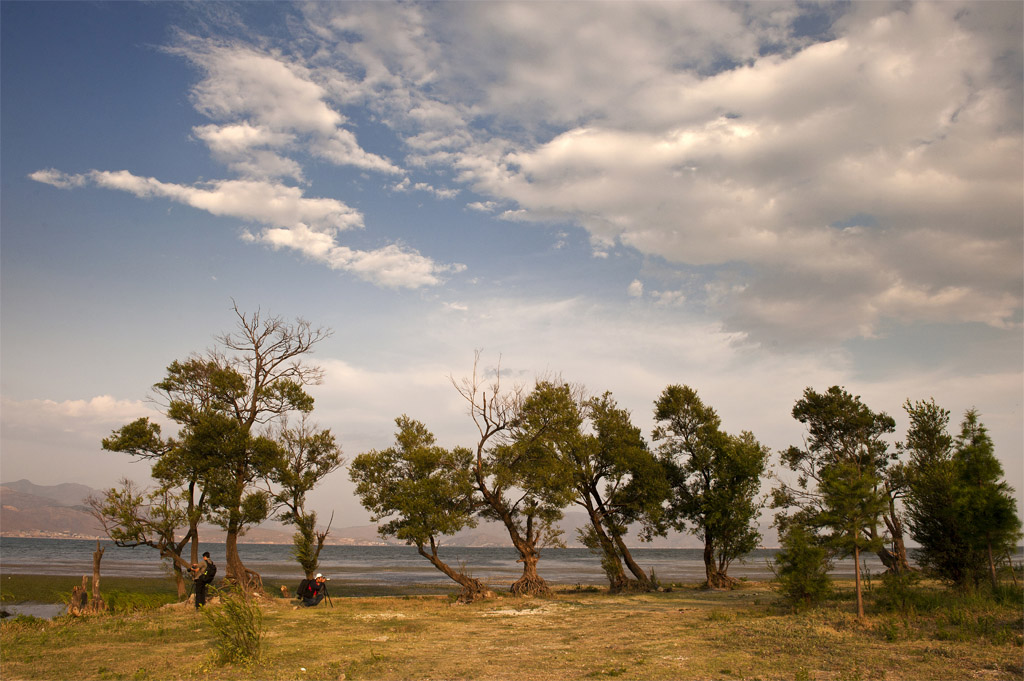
pixel 898 592
pixel 238 623
pixel 801 567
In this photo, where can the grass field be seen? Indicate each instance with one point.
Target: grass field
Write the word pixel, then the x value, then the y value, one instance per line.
pixel 687 633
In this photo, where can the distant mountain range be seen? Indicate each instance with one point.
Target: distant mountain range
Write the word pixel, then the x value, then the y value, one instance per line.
pixel 60 511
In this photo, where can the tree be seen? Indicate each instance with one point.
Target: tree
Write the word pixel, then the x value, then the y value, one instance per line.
pixel 255 378
pixel 987 501
pixel 959 510
pixel 261 380
pixel 801 566
pixel 308 456
pixel 181 475
pixel 132 517
pixel 839 483
pixel 715 479
pixel 618 481
pixel 423 491
pixel 515 467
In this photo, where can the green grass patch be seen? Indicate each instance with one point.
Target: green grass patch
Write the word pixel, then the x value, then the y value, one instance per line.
pixel 687 633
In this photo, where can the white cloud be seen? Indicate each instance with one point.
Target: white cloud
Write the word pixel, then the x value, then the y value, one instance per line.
pixel 57 178
pixel 636 289
pixel 902 117
pixel 257 201
pixel 307 225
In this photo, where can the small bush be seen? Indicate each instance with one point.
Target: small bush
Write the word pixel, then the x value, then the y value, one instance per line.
pixel 238 623
pixel 801 568
pixel 899 592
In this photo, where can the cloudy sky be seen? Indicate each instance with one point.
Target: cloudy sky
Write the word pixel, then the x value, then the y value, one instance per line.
pixel 746 198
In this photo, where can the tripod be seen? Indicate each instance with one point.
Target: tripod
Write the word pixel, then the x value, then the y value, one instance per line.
pixel 328 594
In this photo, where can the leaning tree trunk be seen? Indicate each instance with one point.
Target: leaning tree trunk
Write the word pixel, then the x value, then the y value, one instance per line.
pixel 643 580
pixel 611 562
pixel 472 589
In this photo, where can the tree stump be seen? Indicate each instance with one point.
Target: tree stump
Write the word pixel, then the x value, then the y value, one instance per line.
pixel 79 598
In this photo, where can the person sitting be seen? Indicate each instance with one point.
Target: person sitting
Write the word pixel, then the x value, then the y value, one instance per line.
pixel 312 591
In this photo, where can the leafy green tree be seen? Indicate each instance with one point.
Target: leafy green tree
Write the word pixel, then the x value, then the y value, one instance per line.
pixel 801 566
pixel 987 501
pixel 839 472
pixel 618 481
pixel 308 456
pixel 423 491
pixel 959 509
pixel 715 478
pixel 255 378
pixel 134 517
pixel 516 468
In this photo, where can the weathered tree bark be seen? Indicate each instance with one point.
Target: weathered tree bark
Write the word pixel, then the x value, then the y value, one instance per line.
pixel 611 562
pixel 531 583
pixel 472 589
pixel 79 598
pixel 97 604
pixel 643 580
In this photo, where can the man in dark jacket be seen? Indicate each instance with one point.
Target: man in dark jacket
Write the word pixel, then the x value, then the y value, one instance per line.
pixel 204 575
pixel 313 591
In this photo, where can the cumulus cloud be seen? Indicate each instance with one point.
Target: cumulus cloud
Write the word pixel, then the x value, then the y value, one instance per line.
pixel 729 138
pixel 266 100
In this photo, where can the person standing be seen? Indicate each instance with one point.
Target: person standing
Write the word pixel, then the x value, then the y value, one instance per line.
pixel 204 575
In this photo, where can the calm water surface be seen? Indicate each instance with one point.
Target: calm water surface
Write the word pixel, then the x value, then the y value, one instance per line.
pixel 380 565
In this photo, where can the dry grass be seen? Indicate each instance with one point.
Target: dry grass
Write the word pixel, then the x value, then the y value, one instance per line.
pixel 684 634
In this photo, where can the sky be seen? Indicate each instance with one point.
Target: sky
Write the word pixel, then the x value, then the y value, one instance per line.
pixel 747 198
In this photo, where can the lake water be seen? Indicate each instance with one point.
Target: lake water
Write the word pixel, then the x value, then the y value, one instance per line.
pixel 384 566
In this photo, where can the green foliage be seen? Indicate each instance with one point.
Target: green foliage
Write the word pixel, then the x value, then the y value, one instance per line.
pixel 959 509
pixel 420 489
pixel 238 625
pixel 841 471
pixel 307 456
pixel 899 592
pixel 801 567
pixel 715 476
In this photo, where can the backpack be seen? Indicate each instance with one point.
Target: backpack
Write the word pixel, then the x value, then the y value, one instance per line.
pixel 303 589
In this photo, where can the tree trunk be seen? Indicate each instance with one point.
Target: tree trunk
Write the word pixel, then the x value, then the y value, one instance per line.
pixel 472 589
pixel 991 566
pixel 715 578
pixel 611 562
pixel 235 569
pixel 97 556
pixel 79 598
pixel 531 583
pixel 856 573
pixel 643 580
pixel 895 561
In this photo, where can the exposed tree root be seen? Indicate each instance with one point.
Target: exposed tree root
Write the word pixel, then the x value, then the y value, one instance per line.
pixel 530 586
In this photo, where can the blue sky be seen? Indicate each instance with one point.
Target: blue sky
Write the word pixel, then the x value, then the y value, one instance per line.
pixel 746 198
